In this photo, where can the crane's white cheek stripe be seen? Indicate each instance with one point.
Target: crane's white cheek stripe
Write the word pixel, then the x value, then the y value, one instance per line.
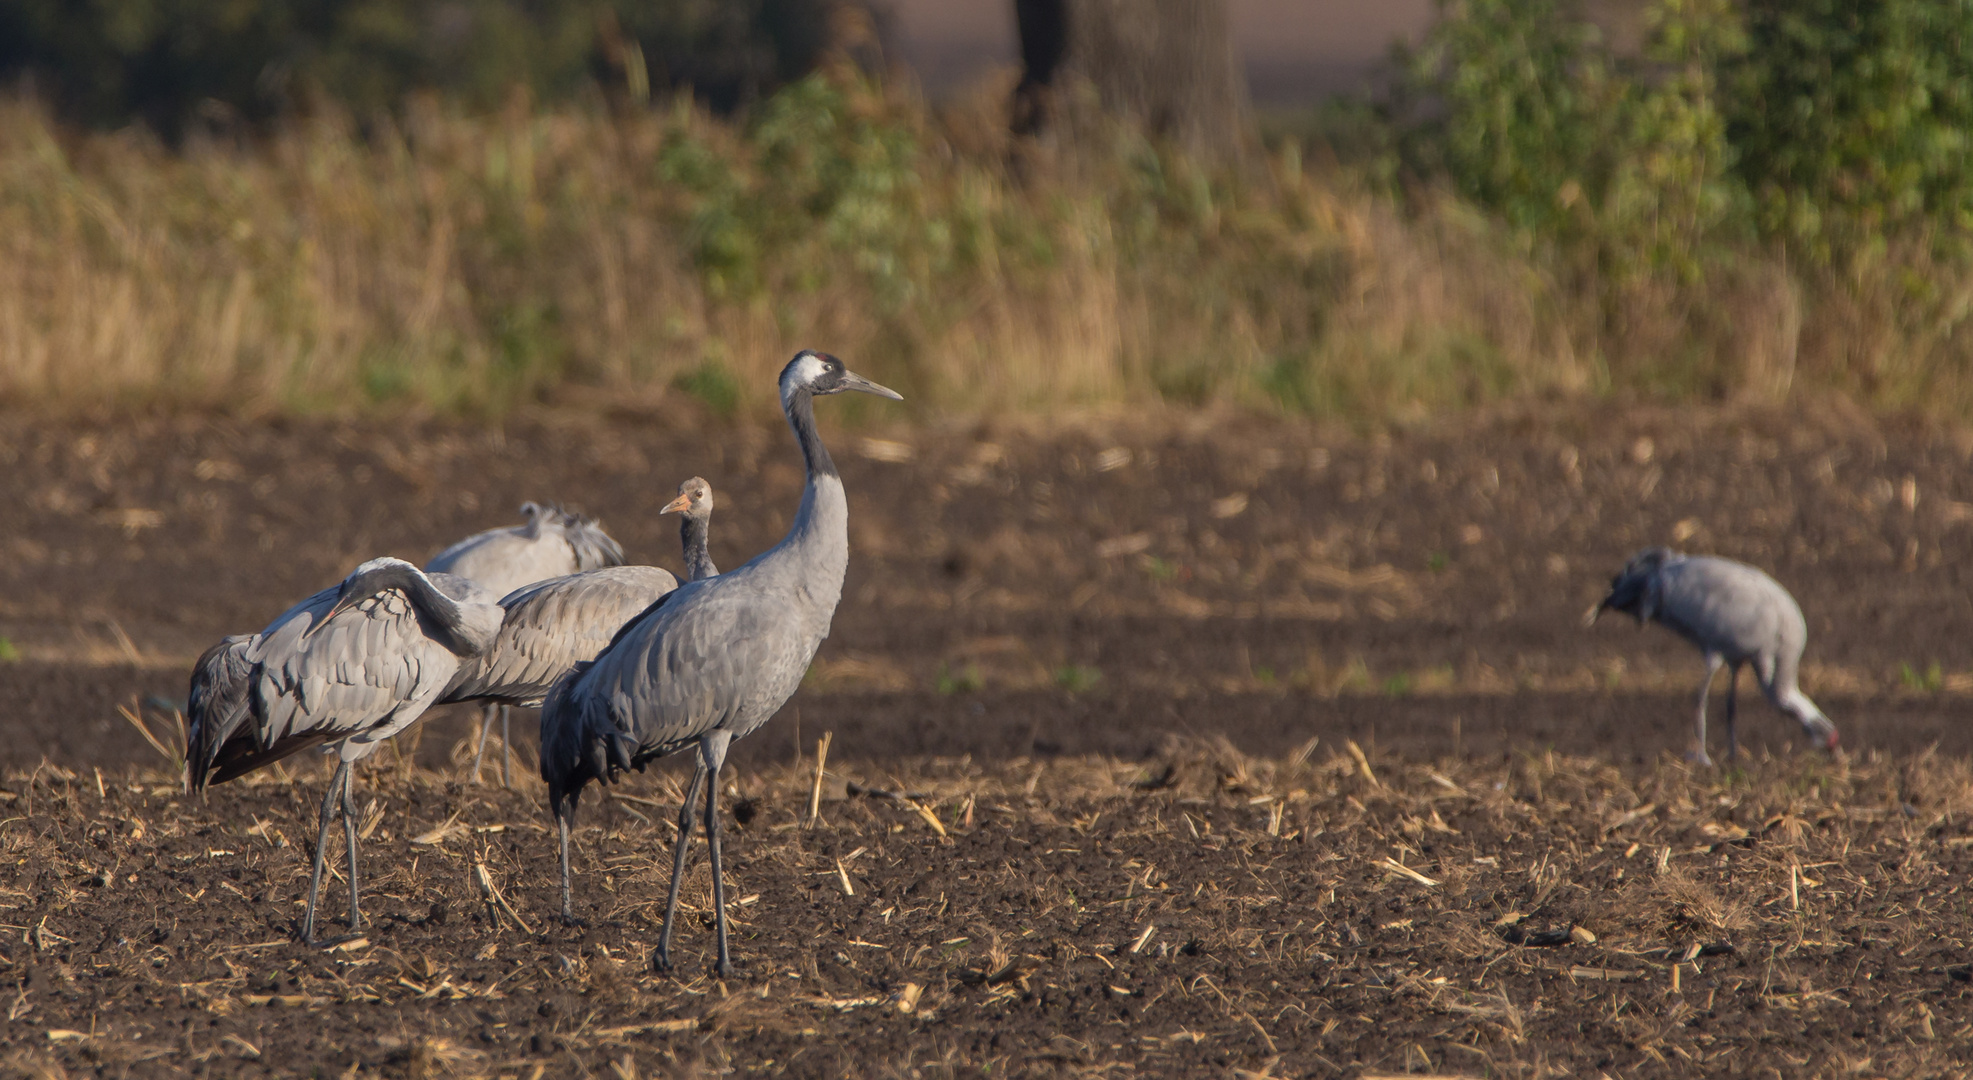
pixel 810 369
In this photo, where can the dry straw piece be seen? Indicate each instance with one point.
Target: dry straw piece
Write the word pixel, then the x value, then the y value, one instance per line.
pixel 821 762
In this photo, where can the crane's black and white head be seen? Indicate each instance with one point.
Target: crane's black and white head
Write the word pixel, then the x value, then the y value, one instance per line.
pixel 819 373
pixel 1632 590
pixel 694 499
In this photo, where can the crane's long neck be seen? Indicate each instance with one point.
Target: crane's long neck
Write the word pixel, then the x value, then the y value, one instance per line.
pixel 799 404
pixel 819 538
pixel 445 616
pixel 693 531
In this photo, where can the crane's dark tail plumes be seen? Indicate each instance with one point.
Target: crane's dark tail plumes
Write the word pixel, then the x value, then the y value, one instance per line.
pixel 574 752
pixel 217 705
pixel 594 549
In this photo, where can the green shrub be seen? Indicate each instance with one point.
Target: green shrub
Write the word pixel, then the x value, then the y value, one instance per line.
pixel 1827 125
pixel 1852 120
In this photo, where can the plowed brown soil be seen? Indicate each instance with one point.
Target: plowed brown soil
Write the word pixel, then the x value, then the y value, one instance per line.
pixel 1123 669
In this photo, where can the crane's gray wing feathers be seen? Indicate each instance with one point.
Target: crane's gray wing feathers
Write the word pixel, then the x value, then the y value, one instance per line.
pixel 504 560
pixel 1729 607
pixel 360 671
pixel 551 544
pixel 218 702
pixel 726 660
pixel 552 625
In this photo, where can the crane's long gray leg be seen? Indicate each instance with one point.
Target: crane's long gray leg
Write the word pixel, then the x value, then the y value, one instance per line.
pixel 1732 692
pixel 486 728
pixel 564 818
pixel 349 836
pixel 662 961
pixel 712 751
pixel 330 800
pixel 1713 662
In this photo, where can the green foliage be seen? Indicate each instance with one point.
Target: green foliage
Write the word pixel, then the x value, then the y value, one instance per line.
pixel 1077 679
pixel 964 681
pixel 9 652
pixel 1669 190
pixel 1853 119
pixel 713 383
pixel 1930 680
pixel 1827 124
pixel 827 174
pixel 1524 93
pixel 1539 121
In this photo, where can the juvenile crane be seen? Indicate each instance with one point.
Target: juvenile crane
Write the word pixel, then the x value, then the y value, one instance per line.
pixel 1736 615
pixel 352 666
pixel 551 543
pixel 551 626
pixel 713 660
pixel 694 502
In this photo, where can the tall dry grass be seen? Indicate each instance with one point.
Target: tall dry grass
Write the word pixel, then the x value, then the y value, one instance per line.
pixel 475 263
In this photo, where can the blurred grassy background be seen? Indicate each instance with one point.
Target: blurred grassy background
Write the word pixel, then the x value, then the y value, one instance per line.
pixel 1539 211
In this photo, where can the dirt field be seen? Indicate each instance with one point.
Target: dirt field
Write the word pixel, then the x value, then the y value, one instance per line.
pixel 1122 668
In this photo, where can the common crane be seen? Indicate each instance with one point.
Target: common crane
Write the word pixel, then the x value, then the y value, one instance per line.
pixel 350 666
pixel 713 660
pixel 1736 615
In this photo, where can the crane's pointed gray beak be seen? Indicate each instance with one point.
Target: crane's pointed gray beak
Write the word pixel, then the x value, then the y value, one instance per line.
pixel 1590 616
pixel 343 603
pixel 853 381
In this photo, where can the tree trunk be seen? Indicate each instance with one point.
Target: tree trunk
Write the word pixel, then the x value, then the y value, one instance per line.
pixel 1167 66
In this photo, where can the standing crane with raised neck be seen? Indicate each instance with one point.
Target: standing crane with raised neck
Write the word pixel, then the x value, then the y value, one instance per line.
pixel 711 661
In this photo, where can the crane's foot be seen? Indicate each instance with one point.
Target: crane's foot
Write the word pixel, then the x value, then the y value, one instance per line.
pixel 661 962
pixel 574 922
pixel 1700 757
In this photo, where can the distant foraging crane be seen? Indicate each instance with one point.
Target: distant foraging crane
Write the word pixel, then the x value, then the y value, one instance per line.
pixel 551 626
pixel 712 661
pixel 1736 615
pixel 352 666
pixel 553 542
